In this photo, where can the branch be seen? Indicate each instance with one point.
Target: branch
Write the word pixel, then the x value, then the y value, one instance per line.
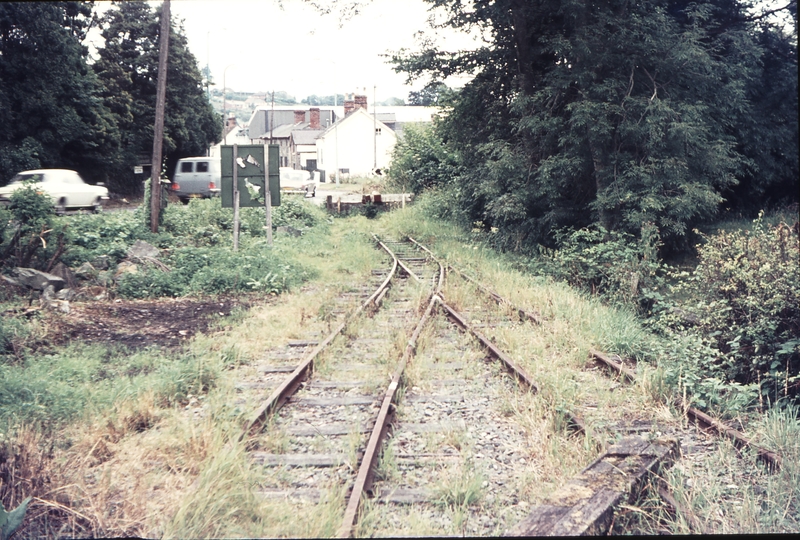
pixel 655 86
pixel 765 14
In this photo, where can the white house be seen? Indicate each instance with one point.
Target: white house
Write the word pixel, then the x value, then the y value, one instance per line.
pixel 357 144
pixel 303 148
pixel 234 133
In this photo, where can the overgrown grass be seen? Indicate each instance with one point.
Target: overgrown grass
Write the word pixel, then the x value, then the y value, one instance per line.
pixel 50 391
pixel 145 444
pixel 715 496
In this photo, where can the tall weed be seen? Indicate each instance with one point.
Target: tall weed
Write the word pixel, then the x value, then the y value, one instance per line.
pixel 614 265
pixel 742 304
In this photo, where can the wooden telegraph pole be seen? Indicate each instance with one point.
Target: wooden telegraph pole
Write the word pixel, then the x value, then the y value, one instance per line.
pixel 158 131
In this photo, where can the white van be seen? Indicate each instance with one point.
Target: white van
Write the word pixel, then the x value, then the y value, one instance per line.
pixel 197 177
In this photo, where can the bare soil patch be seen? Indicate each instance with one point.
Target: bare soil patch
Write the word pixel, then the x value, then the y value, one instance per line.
pixel 137 324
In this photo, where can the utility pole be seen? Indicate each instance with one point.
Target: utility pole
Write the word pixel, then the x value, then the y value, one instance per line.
pixel 272 119
pixel 374 130
pixel 158 131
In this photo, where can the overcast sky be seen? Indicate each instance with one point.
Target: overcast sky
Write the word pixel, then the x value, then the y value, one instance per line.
pixel 287 45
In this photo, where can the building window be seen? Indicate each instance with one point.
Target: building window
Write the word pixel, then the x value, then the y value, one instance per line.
pixel 377 131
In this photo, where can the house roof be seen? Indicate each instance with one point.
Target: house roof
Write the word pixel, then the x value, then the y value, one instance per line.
pixel 354 114
pixel 284 131
pixel 264 116
pixel 305 136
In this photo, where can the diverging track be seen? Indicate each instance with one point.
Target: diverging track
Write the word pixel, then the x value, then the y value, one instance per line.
pixel 409 418
pixel 322 431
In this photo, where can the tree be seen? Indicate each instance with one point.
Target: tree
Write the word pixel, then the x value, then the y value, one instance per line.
pixel 128 66
pixel 420 159
pixel 612 112
pixel 51 112
pixel 314 100
pixel 431 95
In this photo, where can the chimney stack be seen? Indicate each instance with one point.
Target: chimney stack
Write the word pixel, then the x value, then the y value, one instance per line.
pixel 349 106
pixel 314 114
pixel 360 101
pixel 299 117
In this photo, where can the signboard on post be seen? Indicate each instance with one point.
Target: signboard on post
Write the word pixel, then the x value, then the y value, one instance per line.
pixel 274 174
pixel 251 172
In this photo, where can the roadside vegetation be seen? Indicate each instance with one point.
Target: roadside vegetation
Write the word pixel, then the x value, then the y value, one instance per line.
pixel 77 417
pixel 640 194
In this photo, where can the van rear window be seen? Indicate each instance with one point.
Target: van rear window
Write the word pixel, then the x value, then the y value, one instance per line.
pixel 202 166
pixel 186 166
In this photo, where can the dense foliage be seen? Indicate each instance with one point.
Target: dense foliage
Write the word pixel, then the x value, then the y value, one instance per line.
pixel 744 300
pixel 51 112
pixel 613 265
pixel 195 255
pixel 58 111
pixel 614 113
pixel 421 160
pixel 195 240
pixel 729 328
pixel 29 233
pixel 128 68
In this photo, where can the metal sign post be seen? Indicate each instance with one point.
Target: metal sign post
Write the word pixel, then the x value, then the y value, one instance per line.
pixel 259 177
pixel 235 199
pixel 272 184
pixel 268 200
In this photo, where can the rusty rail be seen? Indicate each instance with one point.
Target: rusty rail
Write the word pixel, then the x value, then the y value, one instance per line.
pixel 290 385
pixel 740 440
pixel 366 470
pixel 513 368
pixel 522 313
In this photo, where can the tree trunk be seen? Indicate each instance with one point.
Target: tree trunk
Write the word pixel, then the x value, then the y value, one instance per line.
pixel 522 41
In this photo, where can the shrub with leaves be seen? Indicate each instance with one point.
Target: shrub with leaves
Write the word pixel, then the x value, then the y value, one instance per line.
pixel 421 160
pixel 109 234
pixel 611 264
pixel 212 271
pixel 29 235
pixel 744 297
pixel 749 289
pixel 204 222
pixel 296 213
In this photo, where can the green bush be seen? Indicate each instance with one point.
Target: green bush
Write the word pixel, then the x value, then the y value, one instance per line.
pixel 297 213
pixel 203 222
pixel 614 265
pixel 244 271
pixel 213 271
pixel 30 235
pixel 421 160
pixel 195 240
pixel 744 296
pixel 109 234
pixel 151 283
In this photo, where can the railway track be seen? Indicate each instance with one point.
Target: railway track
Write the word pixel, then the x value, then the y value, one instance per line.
pixel 409 412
